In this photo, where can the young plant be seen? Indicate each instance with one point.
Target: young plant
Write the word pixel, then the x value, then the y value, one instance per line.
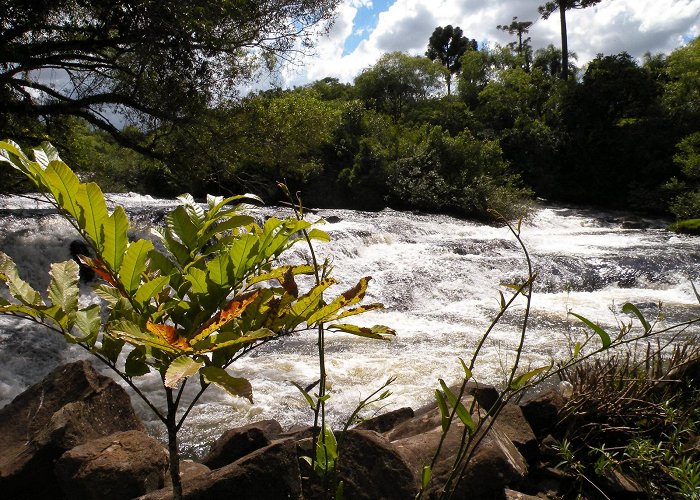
pixel 187 308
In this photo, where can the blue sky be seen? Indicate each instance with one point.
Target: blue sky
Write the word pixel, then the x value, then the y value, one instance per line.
pixel 366 29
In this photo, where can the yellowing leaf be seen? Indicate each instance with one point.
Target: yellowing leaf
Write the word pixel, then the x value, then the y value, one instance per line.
pixel 232 310
pixel 180 369
pixel 169 334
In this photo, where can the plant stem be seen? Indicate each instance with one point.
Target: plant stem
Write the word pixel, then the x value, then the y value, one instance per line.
pixel 173 452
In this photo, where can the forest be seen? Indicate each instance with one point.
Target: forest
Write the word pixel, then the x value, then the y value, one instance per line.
pixel 464 129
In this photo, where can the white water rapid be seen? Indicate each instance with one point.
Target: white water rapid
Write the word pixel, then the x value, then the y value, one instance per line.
pixel 438 277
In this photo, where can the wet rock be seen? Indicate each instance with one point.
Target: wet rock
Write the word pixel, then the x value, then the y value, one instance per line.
pixel 122 465
pixel 239 442
pixel 72 405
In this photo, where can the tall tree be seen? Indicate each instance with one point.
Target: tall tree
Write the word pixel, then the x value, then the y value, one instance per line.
pixel 520 28
pixel 447 45
pixel 562 6
pixel 154 62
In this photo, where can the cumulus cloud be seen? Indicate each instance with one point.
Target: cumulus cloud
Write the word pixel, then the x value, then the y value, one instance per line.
pixel 612 26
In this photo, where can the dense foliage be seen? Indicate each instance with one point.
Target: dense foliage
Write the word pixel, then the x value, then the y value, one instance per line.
pixel 622 134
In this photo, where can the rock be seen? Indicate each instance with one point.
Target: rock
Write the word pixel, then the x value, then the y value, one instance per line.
pixel 516 495
pixel 513 424
pixel 494 465
pixel 333 219
pixel 619 486
pixel 189 470
pixel 541 410
pixel 122 465
pixel 372 468
pixel 239 442
pixel 270 473
pixel 71 406
pixel 386 421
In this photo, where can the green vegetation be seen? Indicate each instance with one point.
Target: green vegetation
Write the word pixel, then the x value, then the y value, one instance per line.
pixel 188 308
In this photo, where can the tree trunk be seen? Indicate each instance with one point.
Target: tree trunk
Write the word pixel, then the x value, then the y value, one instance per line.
pixel 564 42
pixel 172 446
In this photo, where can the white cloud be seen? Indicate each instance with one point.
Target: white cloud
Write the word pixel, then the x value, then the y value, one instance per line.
pixel 612 26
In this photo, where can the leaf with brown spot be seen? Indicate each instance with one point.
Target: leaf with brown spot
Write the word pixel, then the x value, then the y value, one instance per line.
pixel 232 310
pixel 169 334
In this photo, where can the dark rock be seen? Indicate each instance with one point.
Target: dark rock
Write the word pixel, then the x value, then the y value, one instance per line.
pixel 333 219
pixel 71 406
pixel 386 421
pixel 297 432
pixel 189 470
pixel 239 442
pixel 269 473
pixel 549 446
pixel 494 465
pixel 122 465
pixel 513 424
pixel 372 468
pixel 542 410
pixel 621 487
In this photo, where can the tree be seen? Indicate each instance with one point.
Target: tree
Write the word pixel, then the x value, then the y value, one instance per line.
pixel 520 28
pixel 398 80
pixel 562 6
pixel 153 62
pixel 447 45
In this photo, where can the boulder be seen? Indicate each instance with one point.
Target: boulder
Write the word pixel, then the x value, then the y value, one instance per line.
pixel 542 409
pixel 72 405
pixel 386 421
pixel 241 441
pixel 122 465
pixel 372 468
pixel 270 473
pixel 495 463
pixel 513 424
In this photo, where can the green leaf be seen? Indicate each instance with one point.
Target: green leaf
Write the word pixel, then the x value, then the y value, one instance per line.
pixel 442 406
pixel 88 321
pixel 134 264
pixel 318 234
pixel 220 269
pixel 135 365
pixel 521 380
pixel 577 350
pixel 92 212
pixel 425 476
pixel 180 369
pixel 467 371
pixel 307 396
pixel 198 278
pixel 115 238
pixel 326 450
pixel 180 224
pixel 345 299
pixel 150 289
pixel 63 185
pixel 630 308
pixel 130 332
pixel 111 348
pixel 63 288
pixel 19 289
pixel 461 411
pixel 378 332
pixel 233 385
pixel 604 337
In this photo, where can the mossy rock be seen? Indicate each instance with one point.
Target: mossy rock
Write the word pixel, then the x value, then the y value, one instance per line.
pixel 690 226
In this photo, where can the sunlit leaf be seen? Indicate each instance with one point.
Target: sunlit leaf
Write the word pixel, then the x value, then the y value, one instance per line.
pixel 88 322
pixel 63 185
pixel 318 234
pixel 169 334
pixel 134 264
pixel 630 308
pixel 307 396
pixel 115 237
pixel 92 212
pixel 521 380
pixel 378 332
pixel 460 410
pixel 442 406
pixel 149 289
pixel 63 288
pixel 19 289
pixel 181 368
pixel 233 385
pixel 604 337
pixel 467 371
pixel 425 476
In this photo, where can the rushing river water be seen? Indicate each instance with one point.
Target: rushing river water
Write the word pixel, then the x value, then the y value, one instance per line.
pixel 438 277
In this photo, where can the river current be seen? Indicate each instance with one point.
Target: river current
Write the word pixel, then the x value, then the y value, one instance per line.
pixel 438 277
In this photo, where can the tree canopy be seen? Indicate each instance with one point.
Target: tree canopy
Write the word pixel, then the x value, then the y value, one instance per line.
pixel 150 61
pixel 447 45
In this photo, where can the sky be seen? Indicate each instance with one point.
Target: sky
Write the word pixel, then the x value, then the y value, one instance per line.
pixel 366 29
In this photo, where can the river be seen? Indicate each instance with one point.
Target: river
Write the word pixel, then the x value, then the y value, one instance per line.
pixel 438 277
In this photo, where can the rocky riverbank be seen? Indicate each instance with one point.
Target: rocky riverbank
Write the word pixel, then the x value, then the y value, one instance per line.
pixel 75 435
